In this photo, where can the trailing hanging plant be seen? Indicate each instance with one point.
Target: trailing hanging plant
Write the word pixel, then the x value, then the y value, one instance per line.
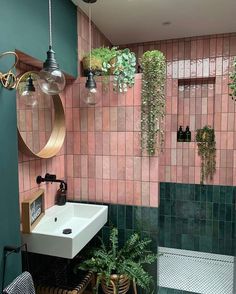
pixel 232 85
pixel 123 67
pixel 153 100
pixel 205 138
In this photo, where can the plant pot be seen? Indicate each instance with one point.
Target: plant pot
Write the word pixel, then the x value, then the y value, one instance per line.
pixel 118 285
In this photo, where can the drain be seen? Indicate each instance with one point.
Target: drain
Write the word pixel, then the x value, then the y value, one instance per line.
pixel 67 231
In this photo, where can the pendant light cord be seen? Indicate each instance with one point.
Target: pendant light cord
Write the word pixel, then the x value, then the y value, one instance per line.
pixel 50 23
pixel 90 36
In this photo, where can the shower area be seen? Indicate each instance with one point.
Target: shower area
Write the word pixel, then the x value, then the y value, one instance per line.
pixel 197 221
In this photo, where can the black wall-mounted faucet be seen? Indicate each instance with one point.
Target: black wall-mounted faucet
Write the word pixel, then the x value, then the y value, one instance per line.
pixel 61 193
pixel 52 179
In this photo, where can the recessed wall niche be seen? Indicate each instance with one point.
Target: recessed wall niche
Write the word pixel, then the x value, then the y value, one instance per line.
pixel 196 103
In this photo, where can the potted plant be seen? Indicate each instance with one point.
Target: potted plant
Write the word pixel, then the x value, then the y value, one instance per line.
pixel 205 138
pixel 153 100
pixel 98 60
pixel 232 85
pixel 116 267
pixel 123 67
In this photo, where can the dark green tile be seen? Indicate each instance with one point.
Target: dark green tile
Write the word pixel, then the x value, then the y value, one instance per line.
pixel 113 216
pixel 153 219
pixel 203 192
pixel 216 194
pixel 209 210
pixel 209 193
pixel 121 216
pixel 222 212
pixel 197 193
pixel 129 217
pixel 229 212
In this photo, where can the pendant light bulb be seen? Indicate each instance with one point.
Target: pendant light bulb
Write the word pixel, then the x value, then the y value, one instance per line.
pixel 29 94
pixel 91 94
pixel 52 80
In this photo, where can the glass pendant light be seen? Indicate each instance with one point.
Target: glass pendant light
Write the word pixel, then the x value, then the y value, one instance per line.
pixel 91 95
pixel 29 94
pixel 52 80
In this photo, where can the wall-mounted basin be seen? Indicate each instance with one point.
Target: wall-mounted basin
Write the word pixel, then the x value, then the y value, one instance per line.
pixel 50 236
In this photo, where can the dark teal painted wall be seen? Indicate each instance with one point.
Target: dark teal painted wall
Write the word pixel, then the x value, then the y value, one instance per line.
pixel 24 26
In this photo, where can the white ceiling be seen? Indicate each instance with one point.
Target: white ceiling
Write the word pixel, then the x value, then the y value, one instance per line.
pixel 132 21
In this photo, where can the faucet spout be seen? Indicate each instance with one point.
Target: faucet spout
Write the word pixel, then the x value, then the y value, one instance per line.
pixel 52 179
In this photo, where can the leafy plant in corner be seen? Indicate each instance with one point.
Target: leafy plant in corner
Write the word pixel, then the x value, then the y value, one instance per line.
pixel 123 67
pixel 114 266
pixel 153 100
pixel 205 138
pixel 232 85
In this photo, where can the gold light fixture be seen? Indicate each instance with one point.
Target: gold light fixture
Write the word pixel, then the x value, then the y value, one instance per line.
pixel 9 79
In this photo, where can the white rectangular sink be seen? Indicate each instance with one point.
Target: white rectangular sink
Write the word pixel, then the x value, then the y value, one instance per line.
pixel 84 220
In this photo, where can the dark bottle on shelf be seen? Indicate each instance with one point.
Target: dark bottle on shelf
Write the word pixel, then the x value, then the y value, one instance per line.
pixel 180 135
pixel 187 135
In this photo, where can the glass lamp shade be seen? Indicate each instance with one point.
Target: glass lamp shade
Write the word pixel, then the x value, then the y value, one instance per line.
pixel 30 98
pixel 91 96
pixel 52 81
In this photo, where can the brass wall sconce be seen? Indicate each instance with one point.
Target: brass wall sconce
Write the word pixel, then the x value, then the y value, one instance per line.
pixel 9 79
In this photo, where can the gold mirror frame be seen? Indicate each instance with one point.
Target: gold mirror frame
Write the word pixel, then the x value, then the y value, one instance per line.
pixel 58 133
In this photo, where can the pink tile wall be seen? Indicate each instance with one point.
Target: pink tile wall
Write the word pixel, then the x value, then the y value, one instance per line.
pixel 104 159
pixel 201 57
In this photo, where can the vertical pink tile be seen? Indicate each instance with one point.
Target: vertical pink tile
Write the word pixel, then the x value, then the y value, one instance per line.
pixel 129 192
pixel 106 191
pixel 99 186
pixel 121 143
pixel 113 191
pixel 145 169
pixel 137 193
pixel 91 119
pixel 106 167
pixel 99 167
pixel 113 118
pixel 145 194
pixel 129 144
pixel 154 201
pixel 121 167
pixel 121 192
pixel 113 143
pixel 92 189
pixel 106 119
pixel 106 143
pixel 129 168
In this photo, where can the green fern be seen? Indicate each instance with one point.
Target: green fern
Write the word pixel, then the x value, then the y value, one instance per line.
pixel 129 260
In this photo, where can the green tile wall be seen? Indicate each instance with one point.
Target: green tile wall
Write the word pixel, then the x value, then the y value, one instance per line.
pixel 197 217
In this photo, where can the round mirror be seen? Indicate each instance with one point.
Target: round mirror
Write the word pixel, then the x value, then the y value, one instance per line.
pixel 40 119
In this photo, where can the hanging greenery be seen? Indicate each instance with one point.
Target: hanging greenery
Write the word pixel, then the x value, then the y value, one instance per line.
pixel 232 85
pixel 205 138
pixel 153 100
pixel 123 67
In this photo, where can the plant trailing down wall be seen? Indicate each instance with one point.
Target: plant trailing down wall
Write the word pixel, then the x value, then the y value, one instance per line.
pixel 153 100
pixel 232 84
pixel 205 138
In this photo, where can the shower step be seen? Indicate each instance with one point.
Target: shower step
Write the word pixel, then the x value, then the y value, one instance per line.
pixel 196 272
